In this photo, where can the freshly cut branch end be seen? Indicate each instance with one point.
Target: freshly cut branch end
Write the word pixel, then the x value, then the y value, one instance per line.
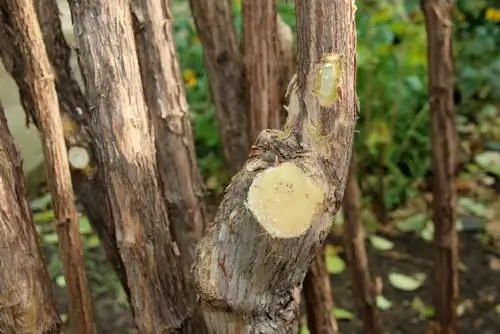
pixel 284 199
pixel 78 157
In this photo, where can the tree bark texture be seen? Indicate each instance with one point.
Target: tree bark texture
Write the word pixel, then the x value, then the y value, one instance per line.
pixel 108 59
pixel 438 17
pixel 354 240
pixel 224 65
pixel 279 208
pixel 319 300
pixel 182 184
pixel 286 62
pixel 166 101
pixel 26 301
pixel 88 182
pixel 260 50
pixel 40 80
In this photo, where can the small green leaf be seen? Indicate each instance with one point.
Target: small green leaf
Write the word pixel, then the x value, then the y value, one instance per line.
pixel 383 303
pixel 380 243
pixel 92 242
pixel 428 233
pixel 84 225
pixel 406 283
pixel 41 203
pixel 497 308
pixel 334 264
pixel 490 161
pixel 50 238
pixel 342 314
pixel 304 330
pixel 43 217
pixel 469 206
pixel 413 223
pixel 61 281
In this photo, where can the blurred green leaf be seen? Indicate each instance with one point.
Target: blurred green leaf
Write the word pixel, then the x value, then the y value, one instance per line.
pixel 380 243
pixel 342 314
pixel 383 303
pixel 405 282
pixel 334 264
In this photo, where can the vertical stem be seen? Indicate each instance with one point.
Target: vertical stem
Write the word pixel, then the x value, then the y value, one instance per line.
pixel 224 64
pixel 260 46
pixel 438 19
pixel 41 81
pixel 354 240
pixel 319 300
pixel 109 64
pixel 26 301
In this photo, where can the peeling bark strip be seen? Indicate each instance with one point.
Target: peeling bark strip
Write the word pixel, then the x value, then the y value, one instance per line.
pixel 87 181
pixel 26 303
pixel 279 208
pixel 224 64
pixel 319 301
pixel 444 162
pixel 260 48
pixel 40 80
pixel 104 35
pixel 354 240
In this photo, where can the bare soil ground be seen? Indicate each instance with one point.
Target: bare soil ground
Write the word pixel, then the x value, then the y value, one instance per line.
pixel 480 290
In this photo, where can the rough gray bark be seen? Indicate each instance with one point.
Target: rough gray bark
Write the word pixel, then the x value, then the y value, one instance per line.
pixel 40 80
pixel 279 208
pixel 26 302
pixel 126 137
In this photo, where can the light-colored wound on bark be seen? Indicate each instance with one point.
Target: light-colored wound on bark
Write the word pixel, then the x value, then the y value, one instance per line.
pixel 78 157
pixel 284 200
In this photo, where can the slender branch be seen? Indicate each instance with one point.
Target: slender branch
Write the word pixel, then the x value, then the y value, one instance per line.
pixel 224 65
pixel 438 17
pixel 168 110
pixel 26 301
pixel 40 79
pixel 260 49
pixel 354 240
pixel 166 100
pixel 319 300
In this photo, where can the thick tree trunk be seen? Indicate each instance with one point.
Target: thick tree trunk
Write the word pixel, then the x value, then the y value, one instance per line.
pixel 279 208
pixel 26 303
pixel 40 80
pixel 354 240
pixel 260 49
pixel 224 65
pixel 319 300
pixel 87 179
pixel 108 59
pixel 438 16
